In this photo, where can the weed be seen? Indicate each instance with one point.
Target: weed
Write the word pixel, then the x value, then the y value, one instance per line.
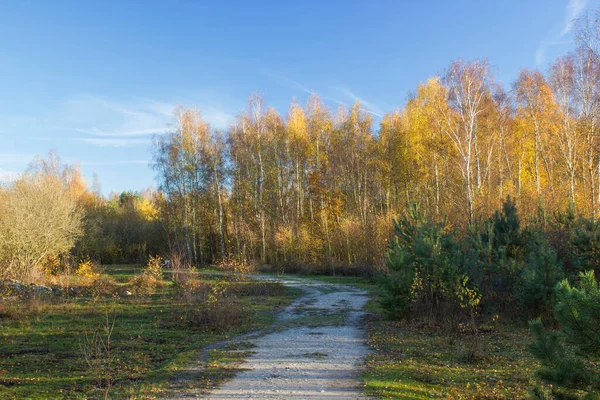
pixel 96 349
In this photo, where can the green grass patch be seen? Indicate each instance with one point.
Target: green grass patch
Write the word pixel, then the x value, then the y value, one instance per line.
pixel 410 362
pixel 41 353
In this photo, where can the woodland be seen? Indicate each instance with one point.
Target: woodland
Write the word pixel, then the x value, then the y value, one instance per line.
pixel 473 201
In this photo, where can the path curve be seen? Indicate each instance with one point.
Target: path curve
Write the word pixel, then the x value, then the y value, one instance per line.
pixel 315 353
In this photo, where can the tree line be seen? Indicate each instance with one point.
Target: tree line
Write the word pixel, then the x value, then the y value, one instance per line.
pixel 321 186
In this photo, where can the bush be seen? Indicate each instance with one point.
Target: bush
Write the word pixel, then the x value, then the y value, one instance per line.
pixel 256 288
pixel 154 267
pixel 565 354
pixel 144 284
pixel 494 254
pixel 424 271
pixel 88 269
pixel 234 268
pixel 540 275
pixel 210 307
pixel 181 270
pixel 39 219
pixel 103 286
pixel 578 312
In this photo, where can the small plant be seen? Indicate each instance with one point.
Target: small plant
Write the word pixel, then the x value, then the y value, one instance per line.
pixel 51 264
pixel 87 269
pixel 234 268
pixel 144 284
pixel 469 299
pixel 181 270
pixel 211 307
pixel 96 349
pixel 154 267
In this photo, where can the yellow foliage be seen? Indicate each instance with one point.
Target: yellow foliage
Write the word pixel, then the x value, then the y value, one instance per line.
pixel 154 267
pixel 87 269
pixel 147 210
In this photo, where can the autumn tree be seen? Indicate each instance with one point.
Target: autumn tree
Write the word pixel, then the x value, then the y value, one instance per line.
pixel 467 84
pixel 39 218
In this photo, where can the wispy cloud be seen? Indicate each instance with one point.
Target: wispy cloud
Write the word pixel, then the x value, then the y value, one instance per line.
pixel 116 142
pixel 573 10
pixel 286 81
pixel 540 54
pixel 99 116
pixel 293 84
pixel 370 107
pixel 141 117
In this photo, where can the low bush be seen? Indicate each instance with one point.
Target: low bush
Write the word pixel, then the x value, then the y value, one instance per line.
pixel 103 286
pixel 210 306
pixel 180 269
pixel 88 269
pixel 154 267
pixel 19 308
pixel 144 284
pixel 234 268
pixel 426 277
pixel 222 314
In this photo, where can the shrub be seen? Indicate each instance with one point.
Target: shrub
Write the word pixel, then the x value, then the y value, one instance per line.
pixel 210 307
pixel 220 315
pixel 154 267
pixel 256 288
pixel 578 312
pixel 88 269
pixel 565 354
pixel 103 286
pixel 541 273
pixel 181 270
pixel 494 253
pixel 424 270
pixel 39 218
pixel 234 268
pixel 19 307
pixel 143 284
pixel 96 349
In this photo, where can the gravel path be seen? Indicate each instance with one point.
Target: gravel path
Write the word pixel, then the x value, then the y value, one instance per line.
pixel 315 352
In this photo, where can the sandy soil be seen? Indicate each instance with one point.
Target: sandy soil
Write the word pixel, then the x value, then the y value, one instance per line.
pixel 316 350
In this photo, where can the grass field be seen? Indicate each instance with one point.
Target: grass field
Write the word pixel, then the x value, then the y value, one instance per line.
pixel 42 341
pixel 42 345
pixel 409 361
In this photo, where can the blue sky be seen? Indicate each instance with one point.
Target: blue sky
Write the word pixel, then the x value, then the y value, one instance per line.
pixel 95 80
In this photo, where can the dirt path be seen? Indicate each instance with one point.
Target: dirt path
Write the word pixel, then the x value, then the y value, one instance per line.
pixel 314 353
